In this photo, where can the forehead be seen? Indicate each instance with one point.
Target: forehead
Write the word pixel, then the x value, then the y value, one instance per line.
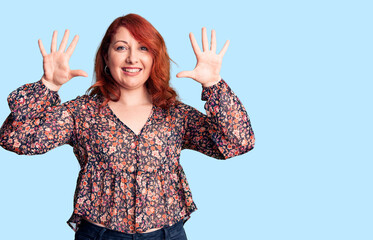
pixel 122 34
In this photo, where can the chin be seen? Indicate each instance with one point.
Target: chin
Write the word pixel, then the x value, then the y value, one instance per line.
pixel 133 86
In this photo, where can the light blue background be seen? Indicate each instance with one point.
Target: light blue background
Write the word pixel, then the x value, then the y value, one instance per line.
pixel 303 70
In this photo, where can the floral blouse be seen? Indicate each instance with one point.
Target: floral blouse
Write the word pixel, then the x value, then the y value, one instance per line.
pixel 127 182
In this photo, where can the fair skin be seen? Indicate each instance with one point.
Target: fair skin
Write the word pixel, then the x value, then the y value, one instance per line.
pixel 130 62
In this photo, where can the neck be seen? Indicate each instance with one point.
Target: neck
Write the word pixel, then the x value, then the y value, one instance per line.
pixel 135 97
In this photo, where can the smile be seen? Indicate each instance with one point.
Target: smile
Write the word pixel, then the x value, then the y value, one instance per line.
pixel 132 70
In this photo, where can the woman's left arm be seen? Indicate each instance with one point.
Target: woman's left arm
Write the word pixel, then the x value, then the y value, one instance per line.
pixel 225 131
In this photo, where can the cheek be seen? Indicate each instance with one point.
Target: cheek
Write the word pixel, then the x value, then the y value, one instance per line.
pixel 114 59
pixel 149 63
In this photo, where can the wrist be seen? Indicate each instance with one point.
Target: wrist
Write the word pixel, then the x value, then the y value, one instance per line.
pixel 209 84
pixel 50 85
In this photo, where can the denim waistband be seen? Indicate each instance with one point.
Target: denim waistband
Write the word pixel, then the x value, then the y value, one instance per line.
pixel 97 232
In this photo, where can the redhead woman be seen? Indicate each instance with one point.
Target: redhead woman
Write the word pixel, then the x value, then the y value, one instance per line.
pixel 127 132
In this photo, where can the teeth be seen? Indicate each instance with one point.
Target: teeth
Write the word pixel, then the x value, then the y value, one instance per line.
pixel 132 70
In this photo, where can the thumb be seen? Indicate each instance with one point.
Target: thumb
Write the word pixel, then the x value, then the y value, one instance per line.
pixel 185 74
pixel 78 73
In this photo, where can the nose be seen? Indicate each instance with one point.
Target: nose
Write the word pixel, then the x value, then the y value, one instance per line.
pixel 132 56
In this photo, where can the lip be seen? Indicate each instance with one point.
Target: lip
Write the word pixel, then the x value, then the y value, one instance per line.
pixel 131 73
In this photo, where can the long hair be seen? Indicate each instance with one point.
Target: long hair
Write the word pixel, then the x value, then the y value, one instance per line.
pixel 158 82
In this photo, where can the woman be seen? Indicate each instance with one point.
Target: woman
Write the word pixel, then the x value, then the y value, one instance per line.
pixel 128 132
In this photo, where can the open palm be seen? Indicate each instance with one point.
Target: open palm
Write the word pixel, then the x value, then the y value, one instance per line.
pixel 207 69
pixel 56 64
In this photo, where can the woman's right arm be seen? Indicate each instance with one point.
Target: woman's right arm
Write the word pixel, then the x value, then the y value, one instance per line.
pixel 37 122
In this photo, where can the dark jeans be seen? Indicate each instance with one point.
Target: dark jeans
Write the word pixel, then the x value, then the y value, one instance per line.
pixel 89 231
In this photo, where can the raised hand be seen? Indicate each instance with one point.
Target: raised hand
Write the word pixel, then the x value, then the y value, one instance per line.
pixel 207 69
pixel 56 64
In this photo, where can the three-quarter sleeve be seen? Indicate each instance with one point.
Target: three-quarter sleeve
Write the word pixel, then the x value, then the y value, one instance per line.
pixel 37 122
pixel 225 130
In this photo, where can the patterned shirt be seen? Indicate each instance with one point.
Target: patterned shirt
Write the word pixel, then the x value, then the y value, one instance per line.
pixel 127 182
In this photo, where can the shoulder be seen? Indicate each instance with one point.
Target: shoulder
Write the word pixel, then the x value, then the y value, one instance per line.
pixel 180 107
pixel 84 104
pixel 183 110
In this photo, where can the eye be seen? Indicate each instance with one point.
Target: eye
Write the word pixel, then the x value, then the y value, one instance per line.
pixel 143 48
pixel 120 48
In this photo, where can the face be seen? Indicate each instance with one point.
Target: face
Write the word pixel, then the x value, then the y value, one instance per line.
pixel 128 60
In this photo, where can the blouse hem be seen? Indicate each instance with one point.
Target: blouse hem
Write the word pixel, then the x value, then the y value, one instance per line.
pixel 76 219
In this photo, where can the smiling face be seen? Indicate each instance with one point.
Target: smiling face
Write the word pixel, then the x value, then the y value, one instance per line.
pixel 128 60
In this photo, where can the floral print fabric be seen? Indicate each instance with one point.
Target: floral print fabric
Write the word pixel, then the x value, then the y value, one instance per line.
pixel 127 182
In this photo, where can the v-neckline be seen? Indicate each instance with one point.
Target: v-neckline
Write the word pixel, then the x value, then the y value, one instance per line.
pixel 127 127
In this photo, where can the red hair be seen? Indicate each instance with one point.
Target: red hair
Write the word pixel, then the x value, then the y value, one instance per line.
pixel 158 83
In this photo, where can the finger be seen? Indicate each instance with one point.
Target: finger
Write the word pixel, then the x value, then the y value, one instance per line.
pixel 194 43
pixel 213 40
pixel 72 46
pixel 78 73
pixel 64 41
pixel 185 74
pixel 42 49
pixel 54 42
pixel 224 49
pixel 205 41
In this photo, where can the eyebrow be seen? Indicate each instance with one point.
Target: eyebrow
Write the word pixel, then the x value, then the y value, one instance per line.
pixel 124 42
pixel 121 41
